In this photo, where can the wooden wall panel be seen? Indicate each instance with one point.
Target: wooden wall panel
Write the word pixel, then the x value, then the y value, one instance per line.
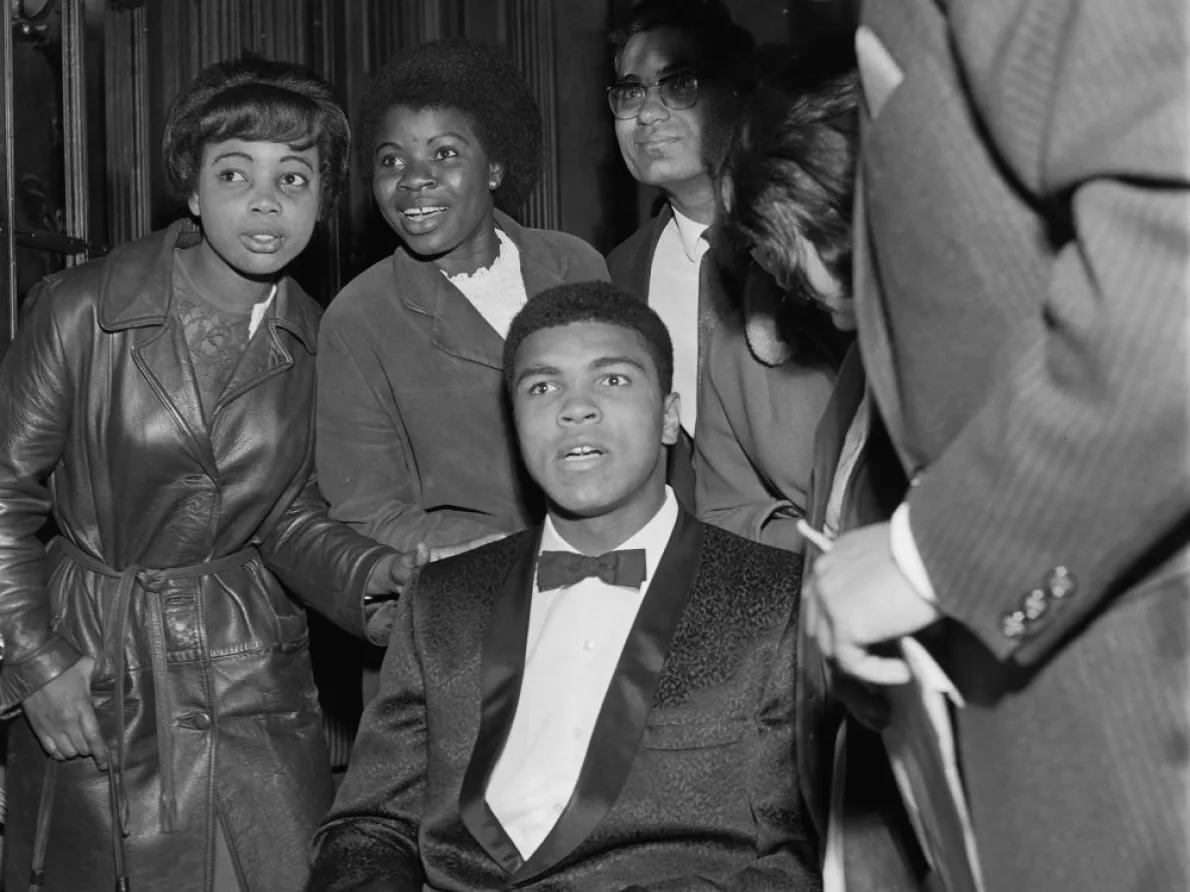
pixel 126 115
pixel 532 45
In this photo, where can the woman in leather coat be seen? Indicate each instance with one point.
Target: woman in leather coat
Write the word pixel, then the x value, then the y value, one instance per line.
pixel 160 403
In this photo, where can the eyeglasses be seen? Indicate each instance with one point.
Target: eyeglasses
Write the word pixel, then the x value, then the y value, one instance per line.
pixel 678 91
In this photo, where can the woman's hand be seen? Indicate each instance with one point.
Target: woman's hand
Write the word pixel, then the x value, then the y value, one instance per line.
pixel 62 716
pixel 392 574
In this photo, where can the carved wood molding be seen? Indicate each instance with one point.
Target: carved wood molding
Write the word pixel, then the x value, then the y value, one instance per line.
pixel 531 41
pixel 129 155
pixel 8 269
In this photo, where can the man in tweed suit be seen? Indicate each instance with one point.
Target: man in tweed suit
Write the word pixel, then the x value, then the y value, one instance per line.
pixel 1023 288
pixel 602 704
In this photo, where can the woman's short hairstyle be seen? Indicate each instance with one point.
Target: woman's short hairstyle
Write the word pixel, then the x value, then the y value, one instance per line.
pixel 791 170
pixel 476 79
pixel 592 302
pixel 256 99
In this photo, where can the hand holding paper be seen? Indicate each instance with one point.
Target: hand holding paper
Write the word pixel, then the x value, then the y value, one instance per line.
pixel 861 599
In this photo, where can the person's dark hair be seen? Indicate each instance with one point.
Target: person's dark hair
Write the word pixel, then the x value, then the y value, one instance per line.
pixel 592 302
pixel 791 169
pixel 256 99
pixel 720 43
pixel 474 78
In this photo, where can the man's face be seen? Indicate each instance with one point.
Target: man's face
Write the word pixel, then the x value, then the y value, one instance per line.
pixel 661 146
pixel 592 419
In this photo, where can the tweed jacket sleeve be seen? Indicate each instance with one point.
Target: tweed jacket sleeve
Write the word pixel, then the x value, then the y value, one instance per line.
pixel 35 413
pixel 369 840
pixel 1080 457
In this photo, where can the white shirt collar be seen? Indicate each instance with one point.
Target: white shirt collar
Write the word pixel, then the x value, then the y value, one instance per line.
pixel 690 233
pixel 652 537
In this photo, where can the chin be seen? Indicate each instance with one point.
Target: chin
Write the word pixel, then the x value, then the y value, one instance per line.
pixel 582 501
pixel 259 267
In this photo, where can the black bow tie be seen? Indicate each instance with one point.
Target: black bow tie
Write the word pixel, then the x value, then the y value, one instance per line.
pixel 559 568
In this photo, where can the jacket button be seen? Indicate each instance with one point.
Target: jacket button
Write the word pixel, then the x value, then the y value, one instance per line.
pixel 200 721
pixel 1061 583
pixel 1012 625
pixel 1035 604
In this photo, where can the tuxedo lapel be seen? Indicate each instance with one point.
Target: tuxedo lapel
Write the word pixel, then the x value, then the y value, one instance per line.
pixel 626 705
pixel 503 667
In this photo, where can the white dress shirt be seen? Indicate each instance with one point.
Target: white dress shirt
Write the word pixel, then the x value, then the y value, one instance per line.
pixel 497 291
pixel 673 294
pixel 576 634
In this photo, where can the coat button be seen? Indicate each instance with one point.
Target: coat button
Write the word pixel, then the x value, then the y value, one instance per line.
pixel 1061 583
pixel 1035 604
pixel 200 721
pixel 1012 625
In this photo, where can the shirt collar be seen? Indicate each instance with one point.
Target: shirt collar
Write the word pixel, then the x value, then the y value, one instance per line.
pixel 653 537
pixel 690 234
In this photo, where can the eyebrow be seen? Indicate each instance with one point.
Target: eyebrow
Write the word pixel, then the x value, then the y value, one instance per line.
pixel 389 144
pixel 532 370
pixel 299 159
pixel 666 71
pixel 605 361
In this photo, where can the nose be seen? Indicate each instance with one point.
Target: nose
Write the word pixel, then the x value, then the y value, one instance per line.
pixel 417 176
pixel 579 409
pixel 653 108
pixel 265 199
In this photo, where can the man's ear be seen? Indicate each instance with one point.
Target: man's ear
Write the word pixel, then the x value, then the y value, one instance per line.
pixel 671 420
pixel 193 203
pixel 495 175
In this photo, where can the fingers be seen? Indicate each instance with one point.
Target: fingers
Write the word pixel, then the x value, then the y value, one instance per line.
pixel 866 666
pixel 51 747
pixel 93 739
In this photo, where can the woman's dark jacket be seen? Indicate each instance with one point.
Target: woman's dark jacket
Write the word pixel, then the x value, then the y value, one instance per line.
pixel 100 421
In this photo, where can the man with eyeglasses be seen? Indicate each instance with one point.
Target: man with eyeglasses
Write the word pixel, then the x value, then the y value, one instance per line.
pixel 673 107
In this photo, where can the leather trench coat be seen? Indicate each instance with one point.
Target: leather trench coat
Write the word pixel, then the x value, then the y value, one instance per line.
pixel 185 524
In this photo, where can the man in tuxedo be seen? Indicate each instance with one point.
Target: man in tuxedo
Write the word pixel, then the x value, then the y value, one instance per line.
pixel 604 703
pixel 673 105
pixel 1023 248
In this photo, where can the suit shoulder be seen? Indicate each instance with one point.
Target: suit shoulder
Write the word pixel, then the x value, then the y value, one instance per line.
pixel 624 252
pixel 731 554
pixel 469 571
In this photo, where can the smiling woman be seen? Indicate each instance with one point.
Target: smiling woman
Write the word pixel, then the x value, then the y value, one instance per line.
pixel 415 441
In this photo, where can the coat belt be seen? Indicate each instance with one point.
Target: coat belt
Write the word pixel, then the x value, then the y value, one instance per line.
pixel 115 626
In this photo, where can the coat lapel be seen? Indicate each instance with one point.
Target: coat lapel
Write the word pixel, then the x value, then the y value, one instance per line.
pixel 163 358
pixel 626 706
pixel 266 354
pixel 135 295
pixel 874 340
pixel 642 267
pixel 503 667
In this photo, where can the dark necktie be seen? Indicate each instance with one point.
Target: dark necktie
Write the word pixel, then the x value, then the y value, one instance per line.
pixel 556 569
pixel 709 299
